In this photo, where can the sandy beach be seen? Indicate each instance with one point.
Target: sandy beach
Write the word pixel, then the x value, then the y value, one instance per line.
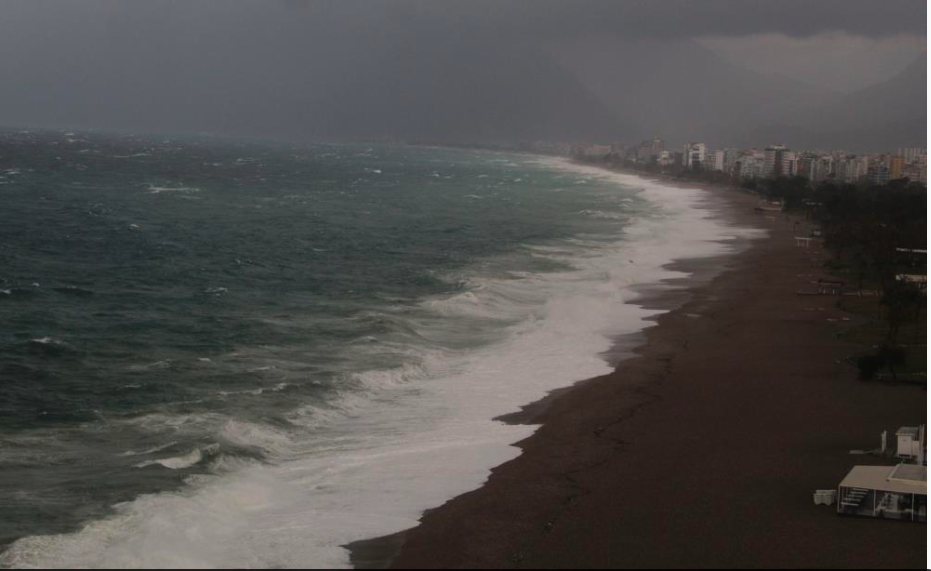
pixel 701 451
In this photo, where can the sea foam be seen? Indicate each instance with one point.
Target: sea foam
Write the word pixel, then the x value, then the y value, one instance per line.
pixel 411 437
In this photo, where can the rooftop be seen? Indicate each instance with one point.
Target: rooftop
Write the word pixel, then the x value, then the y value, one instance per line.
pixel 910 473
pixel 903 479
pixel 912 430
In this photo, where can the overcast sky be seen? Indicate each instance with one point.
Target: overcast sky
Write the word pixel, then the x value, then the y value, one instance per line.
pixel 270 66
pixel 834 59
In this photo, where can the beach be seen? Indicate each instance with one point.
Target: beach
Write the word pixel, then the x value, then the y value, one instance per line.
pixel 702 450
pixel 285 402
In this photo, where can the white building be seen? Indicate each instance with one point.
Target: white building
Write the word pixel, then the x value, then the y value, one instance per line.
pixel 788 163
pixel 718 162
pixel 779 161
pixel 693 155
pixel 910 443
pixel 822 168
pixel 849 169
pixel 750 165
pixel 910 154
pixel 890 492
pixel 593 150
pixel 731 156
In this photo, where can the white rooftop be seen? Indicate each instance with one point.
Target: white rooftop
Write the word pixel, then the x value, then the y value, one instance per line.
pixel 910 473
pixel 902 479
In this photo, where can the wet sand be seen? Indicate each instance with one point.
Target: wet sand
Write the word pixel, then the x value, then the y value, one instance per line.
pixel 703 450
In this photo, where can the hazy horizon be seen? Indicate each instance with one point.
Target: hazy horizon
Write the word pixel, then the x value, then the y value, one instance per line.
pixel 467 71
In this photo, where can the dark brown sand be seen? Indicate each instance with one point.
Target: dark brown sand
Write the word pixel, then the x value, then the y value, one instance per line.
pixel 702 451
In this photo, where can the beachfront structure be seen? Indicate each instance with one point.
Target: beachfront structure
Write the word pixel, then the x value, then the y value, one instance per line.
pixel 650 150
pixel 750 164
pixel 717 160
pixel 693 155
pixel 731 156
pixel 910 443
pixel 772 161
pixel 592 150
pixel 890 492
pixel 910 154
pixel 788 163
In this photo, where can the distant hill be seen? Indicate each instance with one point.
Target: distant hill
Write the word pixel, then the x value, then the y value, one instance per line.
pixel 249 70
pixel 683 91
pixel 881 117
pixel 471 92
pixel 309 72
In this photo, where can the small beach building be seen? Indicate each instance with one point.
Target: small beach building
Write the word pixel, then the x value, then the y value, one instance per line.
pixel 890 492
pixel 910 443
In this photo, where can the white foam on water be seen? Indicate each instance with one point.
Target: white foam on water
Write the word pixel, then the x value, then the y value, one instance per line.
pixel 411 437
pixel 160 189
pixel 176 462
pixel 152 450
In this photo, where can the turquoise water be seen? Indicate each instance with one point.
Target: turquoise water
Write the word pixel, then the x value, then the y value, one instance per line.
pixel 182 308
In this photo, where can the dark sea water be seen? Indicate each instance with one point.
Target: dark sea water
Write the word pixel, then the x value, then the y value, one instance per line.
pixel 216 352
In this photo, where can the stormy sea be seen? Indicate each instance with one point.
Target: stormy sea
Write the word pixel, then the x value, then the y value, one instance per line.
pixel 224 352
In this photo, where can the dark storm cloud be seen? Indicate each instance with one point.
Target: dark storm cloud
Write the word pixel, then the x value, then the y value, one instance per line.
pixel 405 68
pixel 562 19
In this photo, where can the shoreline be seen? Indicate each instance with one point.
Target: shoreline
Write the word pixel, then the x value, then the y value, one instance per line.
pixel 672 410
pixel 667 295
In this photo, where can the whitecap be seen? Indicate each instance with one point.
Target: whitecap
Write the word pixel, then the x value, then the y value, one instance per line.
pixel 401 440
pixel 149 451
pixel 160 189
pixel 179 462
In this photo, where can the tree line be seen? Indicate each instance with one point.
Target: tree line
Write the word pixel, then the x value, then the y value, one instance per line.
pixel 872 232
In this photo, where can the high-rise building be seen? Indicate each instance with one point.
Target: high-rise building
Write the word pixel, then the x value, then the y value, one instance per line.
pixel 717 160
pixel 750 164
pixel 693 155
pixel 772 160
pixel 910 154
pixel 878 174
pixel 896 167
pixel 849 169
pixel 822 168
pixel 788 163
pixel 731 156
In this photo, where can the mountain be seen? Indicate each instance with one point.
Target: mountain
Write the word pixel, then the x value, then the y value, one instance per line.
pixel 881 117
pixel 301 72
pixel 682 91
pixel 307 71
pixel 467 91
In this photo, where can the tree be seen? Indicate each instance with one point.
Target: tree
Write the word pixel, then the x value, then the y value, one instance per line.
pixel 900 299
